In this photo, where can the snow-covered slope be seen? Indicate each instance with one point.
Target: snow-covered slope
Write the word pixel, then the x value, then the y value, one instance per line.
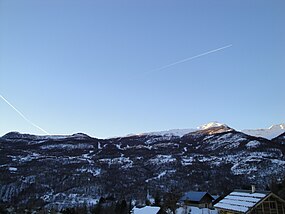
pixel 69 171
pixel 211 125
pixel 270 133
pixel 171 132
pixel 182 132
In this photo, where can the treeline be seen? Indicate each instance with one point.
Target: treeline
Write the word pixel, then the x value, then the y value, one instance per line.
pixel 107 205
pixel 111 205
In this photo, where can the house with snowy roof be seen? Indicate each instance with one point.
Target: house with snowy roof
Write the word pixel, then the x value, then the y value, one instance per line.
pixel 251 202
pixel 197 199
pixel 146 210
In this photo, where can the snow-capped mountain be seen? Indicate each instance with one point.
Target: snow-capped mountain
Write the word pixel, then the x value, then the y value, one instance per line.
pixel 182 132
pixel 211 125
pixel 269 133
pixel 75 169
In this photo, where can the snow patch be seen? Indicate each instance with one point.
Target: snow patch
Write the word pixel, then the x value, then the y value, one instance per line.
pixel 252 144
pixel 160 175
pixel 13 169
pixel 94 172
pixel 161 159
pixel 210 125
pixel 68 146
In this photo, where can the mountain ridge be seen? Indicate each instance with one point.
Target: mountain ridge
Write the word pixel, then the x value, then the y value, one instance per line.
pixel 268 133
pixel 63 172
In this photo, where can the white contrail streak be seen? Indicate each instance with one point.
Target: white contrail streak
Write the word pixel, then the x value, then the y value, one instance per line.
pixel 189 58
pixel 23 116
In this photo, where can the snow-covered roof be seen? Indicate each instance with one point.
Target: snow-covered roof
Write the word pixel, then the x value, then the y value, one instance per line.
pixel 240 201
pixel 194 196
pixel 146 210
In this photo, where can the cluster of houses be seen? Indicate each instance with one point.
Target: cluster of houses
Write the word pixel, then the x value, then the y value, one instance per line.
pixel 237 202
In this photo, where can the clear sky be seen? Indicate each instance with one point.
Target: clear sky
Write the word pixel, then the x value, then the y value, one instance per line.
pixel 89 66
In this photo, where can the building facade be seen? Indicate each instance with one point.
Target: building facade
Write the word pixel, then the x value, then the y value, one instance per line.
pixel 248 202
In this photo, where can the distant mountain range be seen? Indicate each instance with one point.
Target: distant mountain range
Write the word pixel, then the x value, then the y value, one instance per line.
pixel 62 171
pixel 269 133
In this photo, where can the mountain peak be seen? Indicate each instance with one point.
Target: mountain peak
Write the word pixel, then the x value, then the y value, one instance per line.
pixel 211 125
pixel 214 128
pixel 277 126
pixel 269 133
pixel 17 135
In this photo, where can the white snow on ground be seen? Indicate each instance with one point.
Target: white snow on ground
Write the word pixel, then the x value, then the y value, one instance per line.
pixel 94 172
pixel 138 147
pixel 155 139
pixel 68 146
pixel 69 200
pixel 227 141
pixel 187 160
pixel 13 169
pixel 99 145
pixel 212 160
pixel 180 132
pixel 195 210
pixel 118 146
pixel 279 162
pixel 210 125
pixel 126 162
pixel 252 144
pixel 247 164
pixel 24 158
pixel 160 175
pixel 161 159
pixel 171 132
pixel 146 210
pixel 270 133
pixel 242 168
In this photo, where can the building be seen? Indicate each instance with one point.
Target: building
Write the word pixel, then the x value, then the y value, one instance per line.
pixel 197 199
pixel 251 202
pixel 146 210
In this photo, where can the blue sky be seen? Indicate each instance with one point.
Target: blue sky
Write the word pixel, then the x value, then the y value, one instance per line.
pixel 84 66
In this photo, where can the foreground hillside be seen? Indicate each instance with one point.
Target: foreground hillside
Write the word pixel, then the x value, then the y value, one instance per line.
pixel 61 171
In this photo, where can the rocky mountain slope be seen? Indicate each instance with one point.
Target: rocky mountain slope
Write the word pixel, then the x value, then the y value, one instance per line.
pixel 61 171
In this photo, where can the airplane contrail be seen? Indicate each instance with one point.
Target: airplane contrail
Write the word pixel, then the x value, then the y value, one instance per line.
pixel 189 58
pixel 23 116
